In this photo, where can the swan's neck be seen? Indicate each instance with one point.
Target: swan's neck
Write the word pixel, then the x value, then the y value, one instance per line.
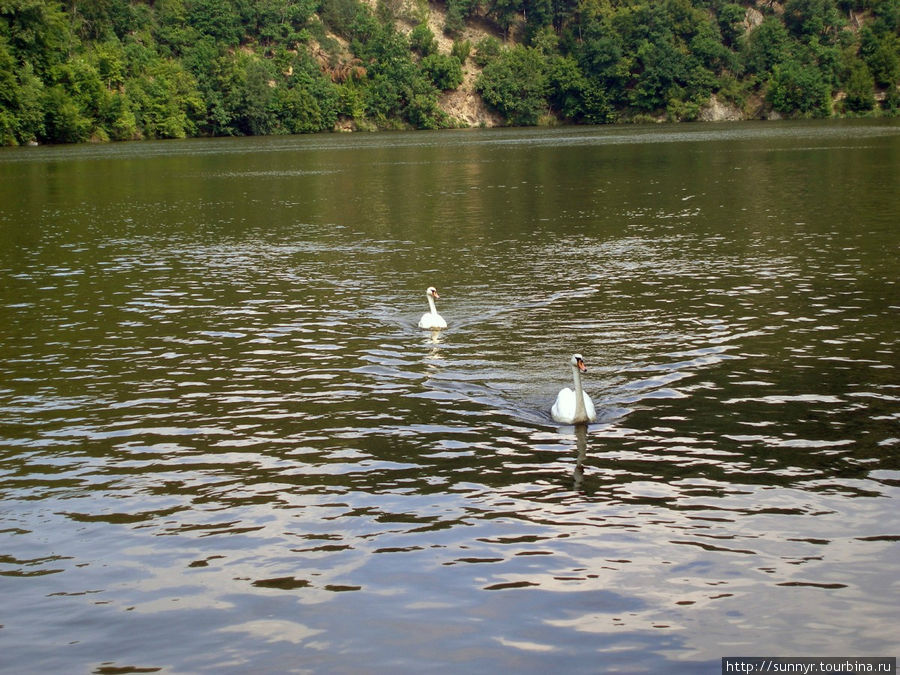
pixel 431 304
pixel 580 412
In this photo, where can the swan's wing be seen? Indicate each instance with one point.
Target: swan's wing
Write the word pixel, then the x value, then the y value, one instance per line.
pixel 430 320
pixel 563 409
pixel 589 407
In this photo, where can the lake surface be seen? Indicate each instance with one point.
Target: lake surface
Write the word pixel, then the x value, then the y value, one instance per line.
pixel 226 447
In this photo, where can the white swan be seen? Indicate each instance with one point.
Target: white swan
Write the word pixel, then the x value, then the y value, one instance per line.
pixel 574 407
pixel 432 320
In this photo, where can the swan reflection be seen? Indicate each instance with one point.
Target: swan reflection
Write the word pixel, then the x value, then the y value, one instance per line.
pixel 434 356
pixel 581 431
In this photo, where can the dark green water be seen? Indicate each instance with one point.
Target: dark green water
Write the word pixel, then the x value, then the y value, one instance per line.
pixel 226 447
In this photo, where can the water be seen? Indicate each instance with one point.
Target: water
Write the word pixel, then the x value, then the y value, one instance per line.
pixel 227 447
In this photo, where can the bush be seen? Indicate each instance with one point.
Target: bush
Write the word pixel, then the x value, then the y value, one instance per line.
pixel 860 84
pixel 891 102
pixel 730 19
pixel 297 111
pixel 21 95
pixel 169 103
pixel 486 50
pixel 884 62
pixel 515 85
pixel 811 17
pixel 64 120
pixel 454 20
pixel 767 45
pixel 350 101
pixel 597 108
pixel 445 72
pixel 567 85
pixel 461 51
pixel 340 15
pixel 423 112
pixel 796 89
pixel 421 39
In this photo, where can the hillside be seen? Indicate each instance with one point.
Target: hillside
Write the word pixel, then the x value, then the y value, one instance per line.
pixel 463 104
pixel 99 70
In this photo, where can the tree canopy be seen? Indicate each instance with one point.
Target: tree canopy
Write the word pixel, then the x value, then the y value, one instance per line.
pixel 98 70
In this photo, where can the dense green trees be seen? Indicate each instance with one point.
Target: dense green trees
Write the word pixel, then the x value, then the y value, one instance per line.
pixel 639 59
pixel 516 84
pixel 125 69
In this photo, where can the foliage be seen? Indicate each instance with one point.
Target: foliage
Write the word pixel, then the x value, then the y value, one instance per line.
pixel 340 15
pixel 881 52
pixel 461 50
pixel 812 18
pixel 457 11
pixel 729 21
pixel 97 70
pixel 421 39
pixel 860 84
pixel 399 91
pixel 169 103
pixel 766 46
pixel 516 85
pixel 486 50
pixel 444 71
pixel 799 90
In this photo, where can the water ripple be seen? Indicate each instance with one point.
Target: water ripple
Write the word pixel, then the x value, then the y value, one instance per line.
pixel 220 404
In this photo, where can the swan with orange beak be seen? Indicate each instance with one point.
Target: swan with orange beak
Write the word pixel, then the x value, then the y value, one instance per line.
pixel 574 406
pixel 432 320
